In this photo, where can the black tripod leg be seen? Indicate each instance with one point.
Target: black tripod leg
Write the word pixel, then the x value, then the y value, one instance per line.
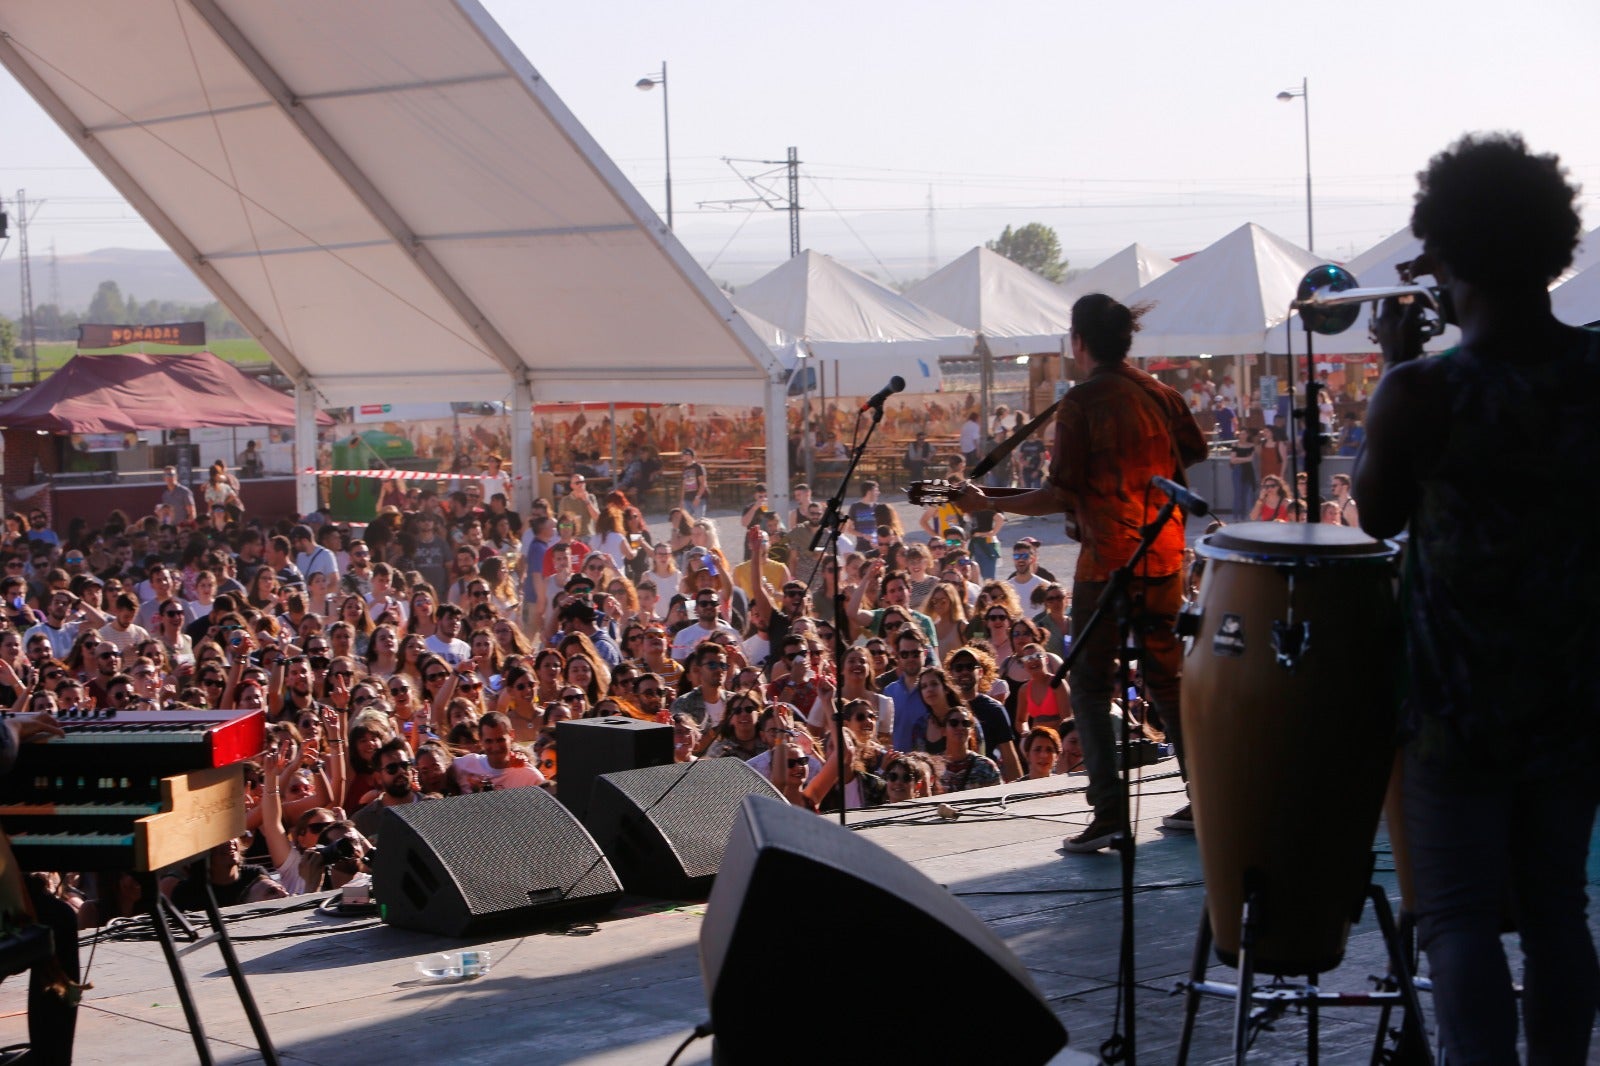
pixel 1312 1018
pixel 158 914
pixel 1197 973
pixel 1246 992
pixel 1413 1039
pixel 269 1054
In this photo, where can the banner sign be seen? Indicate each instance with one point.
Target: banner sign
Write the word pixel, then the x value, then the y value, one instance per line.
pixel 190 334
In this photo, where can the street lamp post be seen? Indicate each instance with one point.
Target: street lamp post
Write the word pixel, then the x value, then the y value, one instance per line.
pixel 1304 94
pixel 645 85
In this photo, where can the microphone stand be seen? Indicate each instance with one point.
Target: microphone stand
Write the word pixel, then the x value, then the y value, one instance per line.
pixel 832 518
pixel 1115 599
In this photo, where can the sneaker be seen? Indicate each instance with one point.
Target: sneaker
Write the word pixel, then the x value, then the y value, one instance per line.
pixel 1180 819
pixel 1100 833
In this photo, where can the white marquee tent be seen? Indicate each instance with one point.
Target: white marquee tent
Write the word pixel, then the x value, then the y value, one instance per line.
pixel 1576 301
pixel 1224 299
pixel 1120 275
pixel 872 333
pixel 1017 311
pixel 391 198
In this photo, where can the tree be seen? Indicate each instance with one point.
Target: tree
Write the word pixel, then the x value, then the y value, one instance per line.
pixel 1034 246
pixel 8 338
pixel 107 305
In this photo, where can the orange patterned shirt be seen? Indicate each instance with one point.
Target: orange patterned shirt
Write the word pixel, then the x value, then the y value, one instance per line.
pixel 1113 433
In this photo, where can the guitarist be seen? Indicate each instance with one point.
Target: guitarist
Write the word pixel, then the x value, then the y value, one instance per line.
pixel 1115 431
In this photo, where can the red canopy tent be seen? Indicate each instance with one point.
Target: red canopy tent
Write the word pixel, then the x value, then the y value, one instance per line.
pixel 124 392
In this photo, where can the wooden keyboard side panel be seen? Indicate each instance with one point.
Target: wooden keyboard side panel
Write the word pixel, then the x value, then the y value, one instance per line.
pixel 200 810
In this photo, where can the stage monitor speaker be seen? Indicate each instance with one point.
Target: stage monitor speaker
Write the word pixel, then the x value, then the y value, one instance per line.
pixel 488 863
pixel 780 852
pixel 664 828
pixel 590 747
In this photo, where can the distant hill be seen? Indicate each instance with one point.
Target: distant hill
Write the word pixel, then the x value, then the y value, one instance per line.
pixel 148 274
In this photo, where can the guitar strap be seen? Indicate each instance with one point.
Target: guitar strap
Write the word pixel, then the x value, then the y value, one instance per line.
pixel 1006 447
pixel 1009 445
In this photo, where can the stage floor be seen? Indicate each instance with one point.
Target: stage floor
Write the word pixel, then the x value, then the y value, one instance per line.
pixel 626 990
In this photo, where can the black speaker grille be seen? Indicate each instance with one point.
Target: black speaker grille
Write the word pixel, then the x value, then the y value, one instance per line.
pixel 692 806
pixel 505 852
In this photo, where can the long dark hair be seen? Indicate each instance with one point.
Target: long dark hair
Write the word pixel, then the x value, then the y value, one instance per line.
pixel 1105 326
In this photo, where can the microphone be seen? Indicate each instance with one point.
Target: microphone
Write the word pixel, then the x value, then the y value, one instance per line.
pixel 1182 496
pixel 896 384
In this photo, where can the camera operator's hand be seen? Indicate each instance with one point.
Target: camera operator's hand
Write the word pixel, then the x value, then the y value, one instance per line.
pixel 1398 330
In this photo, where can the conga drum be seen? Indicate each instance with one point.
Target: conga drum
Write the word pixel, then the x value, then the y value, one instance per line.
pixel 1289 720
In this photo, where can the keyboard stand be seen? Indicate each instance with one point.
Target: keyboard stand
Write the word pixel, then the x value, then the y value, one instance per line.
pixel 164 915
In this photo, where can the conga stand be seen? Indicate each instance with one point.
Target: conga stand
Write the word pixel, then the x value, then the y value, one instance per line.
pixel 1257 1007
pixel 1122 1046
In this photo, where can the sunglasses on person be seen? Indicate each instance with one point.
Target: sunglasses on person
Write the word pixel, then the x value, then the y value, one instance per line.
pixel 434 679
pixel 900 777
pixel 863 716
pixel 1001 618
pixel 955 721
pixel 575 697
pixel 1034 658
pixel 715 664
pixel 109 655
pixel 797 761
pixel 547 764
pixel 742 710
pixel 397 767
pixel 316 827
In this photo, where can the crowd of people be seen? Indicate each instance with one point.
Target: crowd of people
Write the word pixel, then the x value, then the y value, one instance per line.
pixel 432 652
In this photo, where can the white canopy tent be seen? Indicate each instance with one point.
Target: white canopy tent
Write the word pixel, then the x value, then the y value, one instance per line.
pixel 1223 300
pixel 1017 311
pixel 1120 275
pixel 390 197
pixel 1576 301
pixel 873 332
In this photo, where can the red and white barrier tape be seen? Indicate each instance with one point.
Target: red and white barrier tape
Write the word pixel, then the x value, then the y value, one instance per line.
pixel 403 475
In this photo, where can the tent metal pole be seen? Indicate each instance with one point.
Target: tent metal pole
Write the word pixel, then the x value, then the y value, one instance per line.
pixel 305 446
pixel 777 433
pixel 524 464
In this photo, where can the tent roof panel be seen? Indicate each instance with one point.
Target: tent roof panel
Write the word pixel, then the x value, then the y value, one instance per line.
pixel 1120 275
pixel 1224 299
pixel 1016 310
pixel 339 172
pixel 133 391
pixel 486 139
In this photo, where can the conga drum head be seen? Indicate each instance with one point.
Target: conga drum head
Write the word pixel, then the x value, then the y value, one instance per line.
pixel 1289 717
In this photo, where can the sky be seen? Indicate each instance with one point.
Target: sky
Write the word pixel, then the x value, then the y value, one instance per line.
pixel 1154 122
